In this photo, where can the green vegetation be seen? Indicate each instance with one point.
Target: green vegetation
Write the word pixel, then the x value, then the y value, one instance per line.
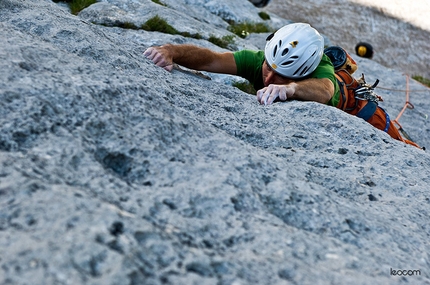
pixel 421 79
pixel 77 6
pixel 263 15
pixel 245 28
pixel 158 24
pixel 223 42
pixel 194 36
pixel 127 25
pixel 155 24
pixel 159 2
pixel 245 86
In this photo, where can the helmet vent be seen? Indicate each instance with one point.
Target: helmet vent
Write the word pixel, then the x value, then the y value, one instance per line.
pixel 287 62
pixel 298 69
pixel 275 50
pixel 285 51
pixel 270 37
pixel 304 70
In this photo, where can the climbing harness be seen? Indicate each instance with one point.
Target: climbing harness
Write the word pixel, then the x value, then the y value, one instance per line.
pixel 358 98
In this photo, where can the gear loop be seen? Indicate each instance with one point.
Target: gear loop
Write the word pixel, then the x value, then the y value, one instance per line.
pixel 365 91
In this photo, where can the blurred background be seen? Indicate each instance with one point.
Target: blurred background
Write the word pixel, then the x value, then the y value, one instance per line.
pixel 397 30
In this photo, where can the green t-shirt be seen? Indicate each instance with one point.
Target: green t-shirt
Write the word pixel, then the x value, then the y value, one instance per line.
pixel 249 66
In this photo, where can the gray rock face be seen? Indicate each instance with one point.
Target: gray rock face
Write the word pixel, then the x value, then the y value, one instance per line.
pixel 114 171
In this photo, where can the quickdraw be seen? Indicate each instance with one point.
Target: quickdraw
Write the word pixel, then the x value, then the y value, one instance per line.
pixel 365 91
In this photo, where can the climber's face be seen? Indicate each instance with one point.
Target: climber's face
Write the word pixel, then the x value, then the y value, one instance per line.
pixel 271 77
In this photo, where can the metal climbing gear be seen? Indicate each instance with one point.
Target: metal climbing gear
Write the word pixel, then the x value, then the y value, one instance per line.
pixel 365 91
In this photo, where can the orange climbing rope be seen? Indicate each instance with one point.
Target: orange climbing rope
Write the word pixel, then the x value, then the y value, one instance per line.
pixel 408 105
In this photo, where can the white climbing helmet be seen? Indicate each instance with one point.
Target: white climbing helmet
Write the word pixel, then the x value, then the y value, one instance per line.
pixel 295 50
